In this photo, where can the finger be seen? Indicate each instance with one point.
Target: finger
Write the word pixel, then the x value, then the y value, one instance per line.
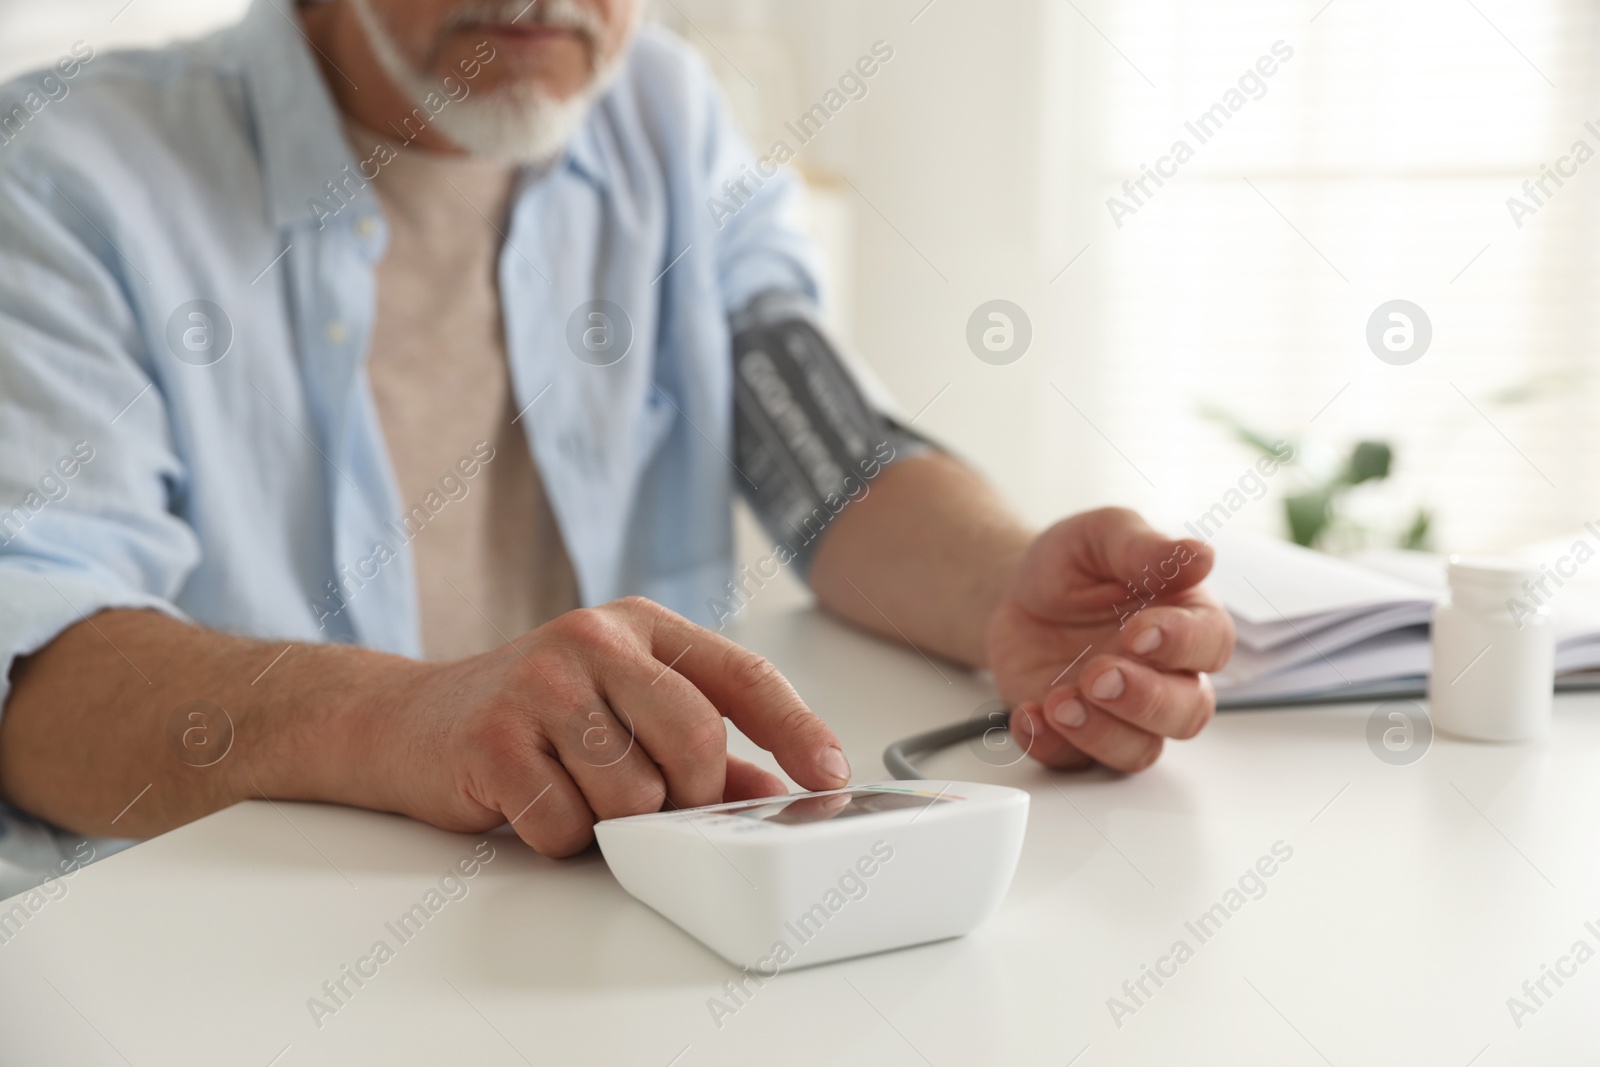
pixel 678 730
pixel 752 693
pixel 1134 551
pixel 1170 704
pixel 1099 734
pixel 1042 743
pixel 746 781
pixel 1111 556
pixel 600 752
pixel 544 806
pixel 1193 636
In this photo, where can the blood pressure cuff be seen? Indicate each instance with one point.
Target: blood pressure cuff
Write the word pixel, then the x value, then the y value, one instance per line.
pixel 808 439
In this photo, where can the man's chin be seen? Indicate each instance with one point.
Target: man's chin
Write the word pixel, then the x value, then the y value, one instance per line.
pixel 520 127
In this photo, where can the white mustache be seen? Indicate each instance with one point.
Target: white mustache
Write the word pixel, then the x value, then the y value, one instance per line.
pixel 562 14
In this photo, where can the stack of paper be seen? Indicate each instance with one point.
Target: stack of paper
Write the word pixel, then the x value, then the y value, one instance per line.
pixel 1314 627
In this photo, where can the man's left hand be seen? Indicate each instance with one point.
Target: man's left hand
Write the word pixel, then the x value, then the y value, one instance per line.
pixel 1103 640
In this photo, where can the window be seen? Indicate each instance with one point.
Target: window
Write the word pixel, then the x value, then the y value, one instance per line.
pixel 1375 163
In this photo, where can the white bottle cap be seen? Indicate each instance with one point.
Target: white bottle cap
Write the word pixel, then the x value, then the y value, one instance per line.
pixel 1490 573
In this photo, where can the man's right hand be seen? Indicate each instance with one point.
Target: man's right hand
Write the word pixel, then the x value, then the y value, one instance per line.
pixel 604 712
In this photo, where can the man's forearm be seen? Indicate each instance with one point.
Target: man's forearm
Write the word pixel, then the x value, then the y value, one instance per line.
pixel 90 724
pixel 925 556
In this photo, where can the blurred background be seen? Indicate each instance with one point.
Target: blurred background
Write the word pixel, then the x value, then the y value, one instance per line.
pixel 1375 163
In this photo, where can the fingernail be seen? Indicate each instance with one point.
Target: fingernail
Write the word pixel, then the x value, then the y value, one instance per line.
pixel 1108 686
pixel 1069 714
pixel 1146 642
pixel 833 764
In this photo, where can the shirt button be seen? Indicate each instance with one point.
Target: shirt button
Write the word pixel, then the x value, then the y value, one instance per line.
pixel 366 226
pixel 337 333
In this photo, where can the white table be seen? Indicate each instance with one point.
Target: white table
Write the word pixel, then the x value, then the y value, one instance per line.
pixel 1417 900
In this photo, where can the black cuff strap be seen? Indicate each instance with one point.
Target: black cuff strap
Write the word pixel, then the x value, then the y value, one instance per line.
pixel 805 435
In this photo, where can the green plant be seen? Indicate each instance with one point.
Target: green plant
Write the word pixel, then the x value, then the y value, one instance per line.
pixel 1314 513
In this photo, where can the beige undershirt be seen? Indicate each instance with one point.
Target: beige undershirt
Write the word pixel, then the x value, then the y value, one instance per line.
pixel 490 565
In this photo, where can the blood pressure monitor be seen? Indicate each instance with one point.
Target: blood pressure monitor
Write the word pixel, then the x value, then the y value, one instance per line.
pixel 807 878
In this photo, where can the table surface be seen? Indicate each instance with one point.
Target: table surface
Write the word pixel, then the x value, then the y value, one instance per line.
pixel 1417 900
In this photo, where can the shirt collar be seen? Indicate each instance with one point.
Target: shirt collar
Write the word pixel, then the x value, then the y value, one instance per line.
pixel 584 154
pixel 301 137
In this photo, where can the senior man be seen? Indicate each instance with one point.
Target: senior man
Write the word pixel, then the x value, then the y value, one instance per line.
pixel 381 373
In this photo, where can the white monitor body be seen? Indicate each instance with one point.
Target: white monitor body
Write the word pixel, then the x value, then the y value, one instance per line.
pixel 794 881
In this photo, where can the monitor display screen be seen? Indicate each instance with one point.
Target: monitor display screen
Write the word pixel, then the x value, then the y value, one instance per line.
pixel 843 805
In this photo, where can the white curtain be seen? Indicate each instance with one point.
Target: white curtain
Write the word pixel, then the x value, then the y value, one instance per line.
pixel 1374 163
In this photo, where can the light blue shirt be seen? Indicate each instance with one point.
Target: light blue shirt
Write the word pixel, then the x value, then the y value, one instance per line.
pixel 251 494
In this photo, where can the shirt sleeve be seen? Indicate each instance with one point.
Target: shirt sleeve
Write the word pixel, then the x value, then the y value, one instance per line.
pixel 813 425
pixel 88 469
pixel 755 207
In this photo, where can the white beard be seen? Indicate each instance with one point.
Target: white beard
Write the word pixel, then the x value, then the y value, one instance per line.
pixel 519 125
pixel 522 124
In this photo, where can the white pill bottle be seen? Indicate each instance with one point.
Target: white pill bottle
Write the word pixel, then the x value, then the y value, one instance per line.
pixel 1493 676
